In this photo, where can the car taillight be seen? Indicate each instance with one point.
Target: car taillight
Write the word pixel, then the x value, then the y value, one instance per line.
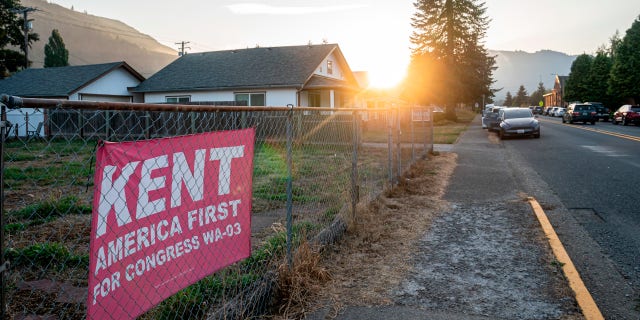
pixel 593 113
pixel 575 114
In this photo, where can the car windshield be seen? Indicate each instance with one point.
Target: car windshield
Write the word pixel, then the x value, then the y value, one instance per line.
pixel 517 113
pixel 583 108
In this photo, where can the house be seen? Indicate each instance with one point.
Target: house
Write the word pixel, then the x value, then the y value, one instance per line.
pixel 555 97
pixel 97 82
pixel 309 75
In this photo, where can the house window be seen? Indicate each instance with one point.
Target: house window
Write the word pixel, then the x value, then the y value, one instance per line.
pixel 329 67
pixel 177 99
pixel 251 99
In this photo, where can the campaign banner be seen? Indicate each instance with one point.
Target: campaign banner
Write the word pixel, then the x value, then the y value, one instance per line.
pixel 166 213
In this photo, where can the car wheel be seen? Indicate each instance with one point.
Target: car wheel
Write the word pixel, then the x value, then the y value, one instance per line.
pixel 501 135
pixel 624 121
pixel 536 135
pixel 563 120
pixel 571 121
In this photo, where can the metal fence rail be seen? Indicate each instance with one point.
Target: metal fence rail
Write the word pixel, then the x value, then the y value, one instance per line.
pixel 310 167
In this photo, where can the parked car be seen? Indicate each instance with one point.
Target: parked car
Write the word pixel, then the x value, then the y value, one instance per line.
pixel 559 112
pixel 548 110
pixel 537 110
pixel 580 112
pixel 627 114
pixel 518 122
pixel 602 112
pixel 492 118
pixel 552 112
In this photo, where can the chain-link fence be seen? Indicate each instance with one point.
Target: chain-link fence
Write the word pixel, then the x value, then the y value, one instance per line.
pixel 310 168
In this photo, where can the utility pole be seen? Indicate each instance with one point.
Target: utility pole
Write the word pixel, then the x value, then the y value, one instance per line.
pixel 26 27
pixel 182 47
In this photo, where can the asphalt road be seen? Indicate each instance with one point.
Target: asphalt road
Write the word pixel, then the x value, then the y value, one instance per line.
pixel 592 170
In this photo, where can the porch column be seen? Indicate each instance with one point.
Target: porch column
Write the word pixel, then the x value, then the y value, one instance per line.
pixel 332 98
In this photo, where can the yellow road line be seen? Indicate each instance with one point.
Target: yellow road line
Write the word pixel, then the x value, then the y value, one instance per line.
pixel 615 134
pixel 585 301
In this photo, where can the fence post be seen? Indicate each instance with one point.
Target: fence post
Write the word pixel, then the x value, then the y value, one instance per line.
pixel 289 186
pixel 3 265
pixel 355 188
pixel 413 149
pixel 390 143
pixel 424 116
pixel 433 120
pixel 399 143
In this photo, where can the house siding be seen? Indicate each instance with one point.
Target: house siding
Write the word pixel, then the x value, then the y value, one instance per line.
pixel 274 97
pixel 338 73
pixel 115 83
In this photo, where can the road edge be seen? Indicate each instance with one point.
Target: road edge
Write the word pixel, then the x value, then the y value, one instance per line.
pixel 588 306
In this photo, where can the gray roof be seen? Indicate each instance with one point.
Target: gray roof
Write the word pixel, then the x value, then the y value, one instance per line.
pixel 273 67
pixel 58 82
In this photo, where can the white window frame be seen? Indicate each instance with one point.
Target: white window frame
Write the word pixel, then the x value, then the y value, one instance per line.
pixel 178 99
pixel 251 94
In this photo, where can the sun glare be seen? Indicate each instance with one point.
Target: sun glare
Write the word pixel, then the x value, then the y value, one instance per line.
pixel 386 78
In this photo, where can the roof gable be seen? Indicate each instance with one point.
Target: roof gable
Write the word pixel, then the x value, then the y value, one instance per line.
pixel 272 67
pixel 59 81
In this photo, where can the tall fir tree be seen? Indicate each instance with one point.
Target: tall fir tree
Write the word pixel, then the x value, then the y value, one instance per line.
pixel 577 85
pixel 448 37
pixel 521 99
pixel 508 100
pixel 55 52
pixel 624 83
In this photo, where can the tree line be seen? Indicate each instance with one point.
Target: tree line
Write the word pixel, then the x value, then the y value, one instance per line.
pixel 523 99
pixel 612 75
pixel 13 44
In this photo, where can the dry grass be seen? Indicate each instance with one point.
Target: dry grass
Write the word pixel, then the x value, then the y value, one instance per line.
pixel 371 259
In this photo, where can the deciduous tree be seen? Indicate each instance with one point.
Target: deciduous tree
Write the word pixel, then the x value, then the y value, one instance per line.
pixel 11 34
pixel 577 85
pixel 625 77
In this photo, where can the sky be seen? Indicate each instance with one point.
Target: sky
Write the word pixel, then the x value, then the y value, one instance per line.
pixel 372 34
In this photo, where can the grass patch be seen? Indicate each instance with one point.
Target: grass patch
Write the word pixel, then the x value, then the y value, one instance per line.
pixel 51 209
pixel 192 301
pixel 46 256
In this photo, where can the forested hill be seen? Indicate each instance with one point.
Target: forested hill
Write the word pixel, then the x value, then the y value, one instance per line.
pixel 91 39
pixel 517 68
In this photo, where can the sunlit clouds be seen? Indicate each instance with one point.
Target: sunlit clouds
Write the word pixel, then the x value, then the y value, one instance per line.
pixel 259 8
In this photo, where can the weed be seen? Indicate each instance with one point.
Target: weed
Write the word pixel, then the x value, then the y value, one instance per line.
pixel 557 263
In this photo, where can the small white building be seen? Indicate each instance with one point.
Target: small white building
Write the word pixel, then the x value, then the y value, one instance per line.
pixel 97 82
pixel 309 75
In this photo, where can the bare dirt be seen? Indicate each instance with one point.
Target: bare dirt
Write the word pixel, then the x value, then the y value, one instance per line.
pixel 410 248
pixel 372 257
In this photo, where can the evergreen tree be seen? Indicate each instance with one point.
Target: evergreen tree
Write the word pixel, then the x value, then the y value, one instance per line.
pixel 11 34
pixel 599 79
pixel 448 35
pixel 508 100
pixel 521 99
pixel 55 53
pixel 537 95
pixel 577 85
pixel 625 76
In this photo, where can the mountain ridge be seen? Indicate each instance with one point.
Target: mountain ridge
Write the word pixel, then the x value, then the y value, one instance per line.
pixel 86 36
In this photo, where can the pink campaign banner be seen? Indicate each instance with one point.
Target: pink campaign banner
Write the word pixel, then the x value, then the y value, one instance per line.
pixel 166 213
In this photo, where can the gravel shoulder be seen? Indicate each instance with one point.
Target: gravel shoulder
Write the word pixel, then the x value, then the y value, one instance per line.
pixel 455 240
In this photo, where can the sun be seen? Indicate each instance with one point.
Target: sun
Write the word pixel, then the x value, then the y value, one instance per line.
pixel 387 77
